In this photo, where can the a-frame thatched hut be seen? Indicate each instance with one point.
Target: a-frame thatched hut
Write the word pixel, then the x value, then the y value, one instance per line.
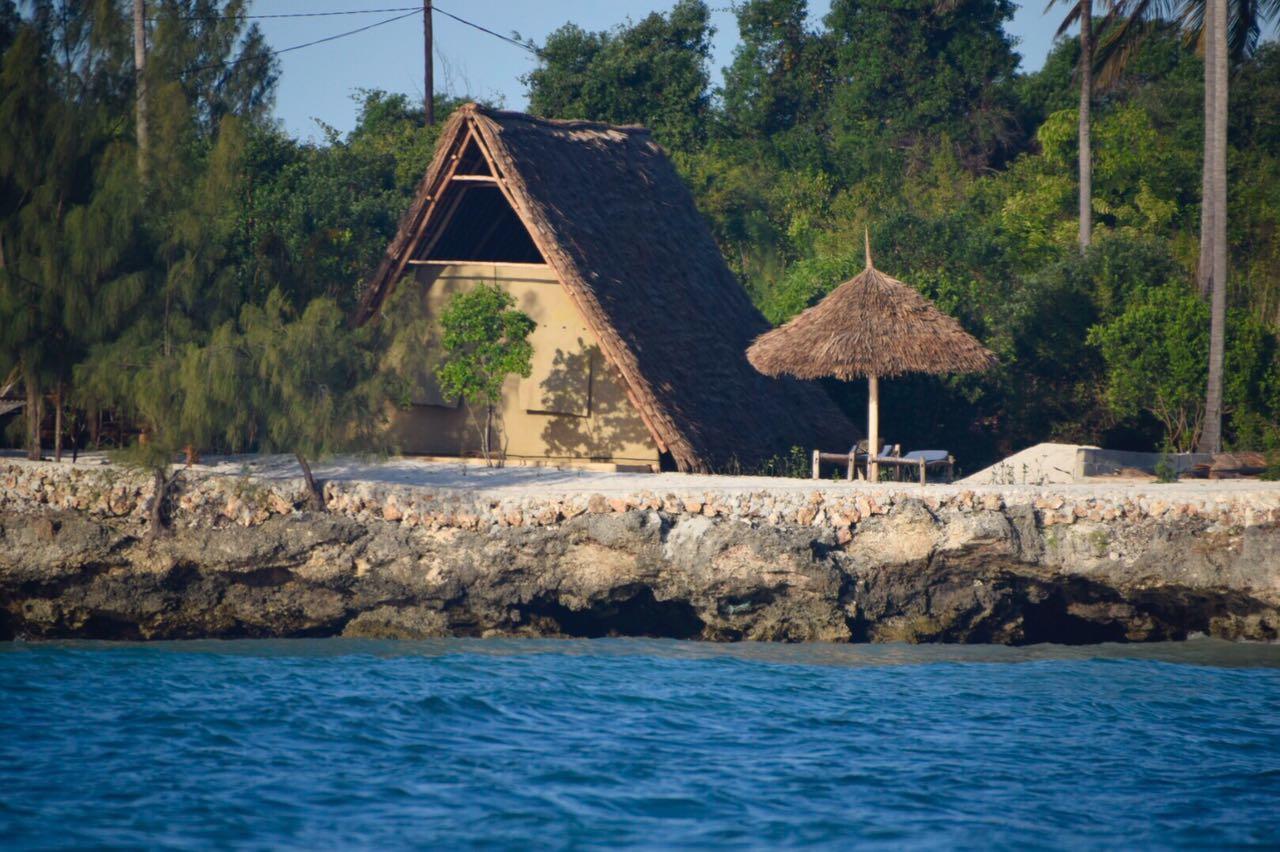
pixel 641 328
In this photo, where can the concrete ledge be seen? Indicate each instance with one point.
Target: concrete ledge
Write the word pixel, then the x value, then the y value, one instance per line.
pixel 1091 461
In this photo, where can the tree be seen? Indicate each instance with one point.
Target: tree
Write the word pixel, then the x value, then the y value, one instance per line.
pixel 1223 29
pixel 779 83
pixel 57 155
pixel 652 73
pixel 910 72
pixel 314 219
pixel 1155 356
pixel 223 67
pixel 311 380
pixel 485 340
pixel 1214 243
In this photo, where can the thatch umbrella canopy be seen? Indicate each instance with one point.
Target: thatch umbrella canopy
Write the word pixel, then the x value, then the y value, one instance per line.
pixel 873 326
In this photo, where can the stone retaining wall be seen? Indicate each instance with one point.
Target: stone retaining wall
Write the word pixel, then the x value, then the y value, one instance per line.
pixel 198 498
pixel 831 562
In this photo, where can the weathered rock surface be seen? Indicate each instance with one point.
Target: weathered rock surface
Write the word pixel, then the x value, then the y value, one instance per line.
pixel 882 563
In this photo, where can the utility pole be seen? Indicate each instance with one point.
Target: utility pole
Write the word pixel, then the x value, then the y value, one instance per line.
pixel 140 81
pixel 429 101
pixel 1085 122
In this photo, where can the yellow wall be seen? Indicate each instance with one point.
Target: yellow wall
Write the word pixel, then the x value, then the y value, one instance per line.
pixel 573 406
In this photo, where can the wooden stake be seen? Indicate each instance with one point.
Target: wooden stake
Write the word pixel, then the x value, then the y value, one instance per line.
pixel 873 427
pixel 57 423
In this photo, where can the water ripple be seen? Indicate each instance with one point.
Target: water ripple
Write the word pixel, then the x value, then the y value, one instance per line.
pixel 335 744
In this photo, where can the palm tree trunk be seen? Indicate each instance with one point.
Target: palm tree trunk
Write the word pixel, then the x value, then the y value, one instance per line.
pixel 1216 57
pixel 140 77
pixel 1086 100
pixel 1204 272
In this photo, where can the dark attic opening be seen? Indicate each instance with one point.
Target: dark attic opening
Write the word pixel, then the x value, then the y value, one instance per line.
pixel 472 161
pixel 481 226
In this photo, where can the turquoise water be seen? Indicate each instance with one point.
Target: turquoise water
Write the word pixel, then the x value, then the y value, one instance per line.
pixel 605 743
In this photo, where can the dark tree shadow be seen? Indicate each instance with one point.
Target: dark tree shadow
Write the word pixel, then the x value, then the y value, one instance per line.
pixel 603 422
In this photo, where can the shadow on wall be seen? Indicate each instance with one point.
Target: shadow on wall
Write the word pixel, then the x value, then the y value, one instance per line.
pixel 604 424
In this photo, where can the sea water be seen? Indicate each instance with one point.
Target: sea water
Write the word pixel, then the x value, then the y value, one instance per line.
pixel 323 744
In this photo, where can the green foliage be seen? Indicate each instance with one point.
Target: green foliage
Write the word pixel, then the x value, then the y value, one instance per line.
pixel 777 87
pixel 485 340
pixel 1157 355
pixel 912 70
pixel 1166 470
pixel 796 464
pixel 192 41
pixel 313 380
pixel 652 73
pixel 1272 472
pixel 66 232
pixel 314 220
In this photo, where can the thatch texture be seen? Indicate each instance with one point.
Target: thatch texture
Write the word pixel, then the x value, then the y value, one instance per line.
pixel 872 325
pixel 611 216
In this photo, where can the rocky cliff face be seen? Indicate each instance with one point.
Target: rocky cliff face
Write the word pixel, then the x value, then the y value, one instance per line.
pixel 876 564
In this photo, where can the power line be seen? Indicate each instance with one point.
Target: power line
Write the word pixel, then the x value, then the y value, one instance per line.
pixel 507 39
pixel 409 10
pixel 286 15
pixel 229 63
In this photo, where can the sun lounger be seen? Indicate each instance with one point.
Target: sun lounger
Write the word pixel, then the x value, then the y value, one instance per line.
pixel 854 460
pixel 890 455
pixel 922 461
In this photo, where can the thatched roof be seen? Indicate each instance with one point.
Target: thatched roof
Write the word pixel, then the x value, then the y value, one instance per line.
pixel 872 325
pixel 610 215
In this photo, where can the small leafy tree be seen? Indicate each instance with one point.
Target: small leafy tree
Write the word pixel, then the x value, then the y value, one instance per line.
pixel 485 340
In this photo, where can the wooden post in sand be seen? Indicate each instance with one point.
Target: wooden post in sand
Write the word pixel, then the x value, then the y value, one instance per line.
pixel 873 428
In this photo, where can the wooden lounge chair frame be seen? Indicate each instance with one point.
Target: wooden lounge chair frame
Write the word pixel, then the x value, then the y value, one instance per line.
pixel 893 458
pixel 854 460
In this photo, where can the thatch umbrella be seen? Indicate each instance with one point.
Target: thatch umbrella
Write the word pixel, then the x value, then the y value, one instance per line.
pixel 873 326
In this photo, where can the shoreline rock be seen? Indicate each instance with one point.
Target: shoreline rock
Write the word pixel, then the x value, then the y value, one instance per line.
pixel 825 563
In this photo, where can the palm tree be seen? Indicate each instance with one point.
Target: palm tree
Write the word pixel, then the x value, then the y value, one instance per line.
pixel 1222 31
pixel 1213 241
pixel 1082 11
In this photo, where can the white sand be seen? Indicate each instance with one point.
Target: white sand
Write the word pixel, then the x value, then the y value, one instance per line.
pixel 512 481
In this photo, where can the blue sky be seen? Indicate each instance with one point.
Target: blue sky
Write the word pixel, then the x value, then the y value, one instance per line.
pixel 319 82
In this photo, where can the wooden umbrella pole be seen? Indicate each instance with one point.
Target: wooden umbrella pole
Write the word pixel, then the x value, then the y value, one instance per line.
pixel 873 428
